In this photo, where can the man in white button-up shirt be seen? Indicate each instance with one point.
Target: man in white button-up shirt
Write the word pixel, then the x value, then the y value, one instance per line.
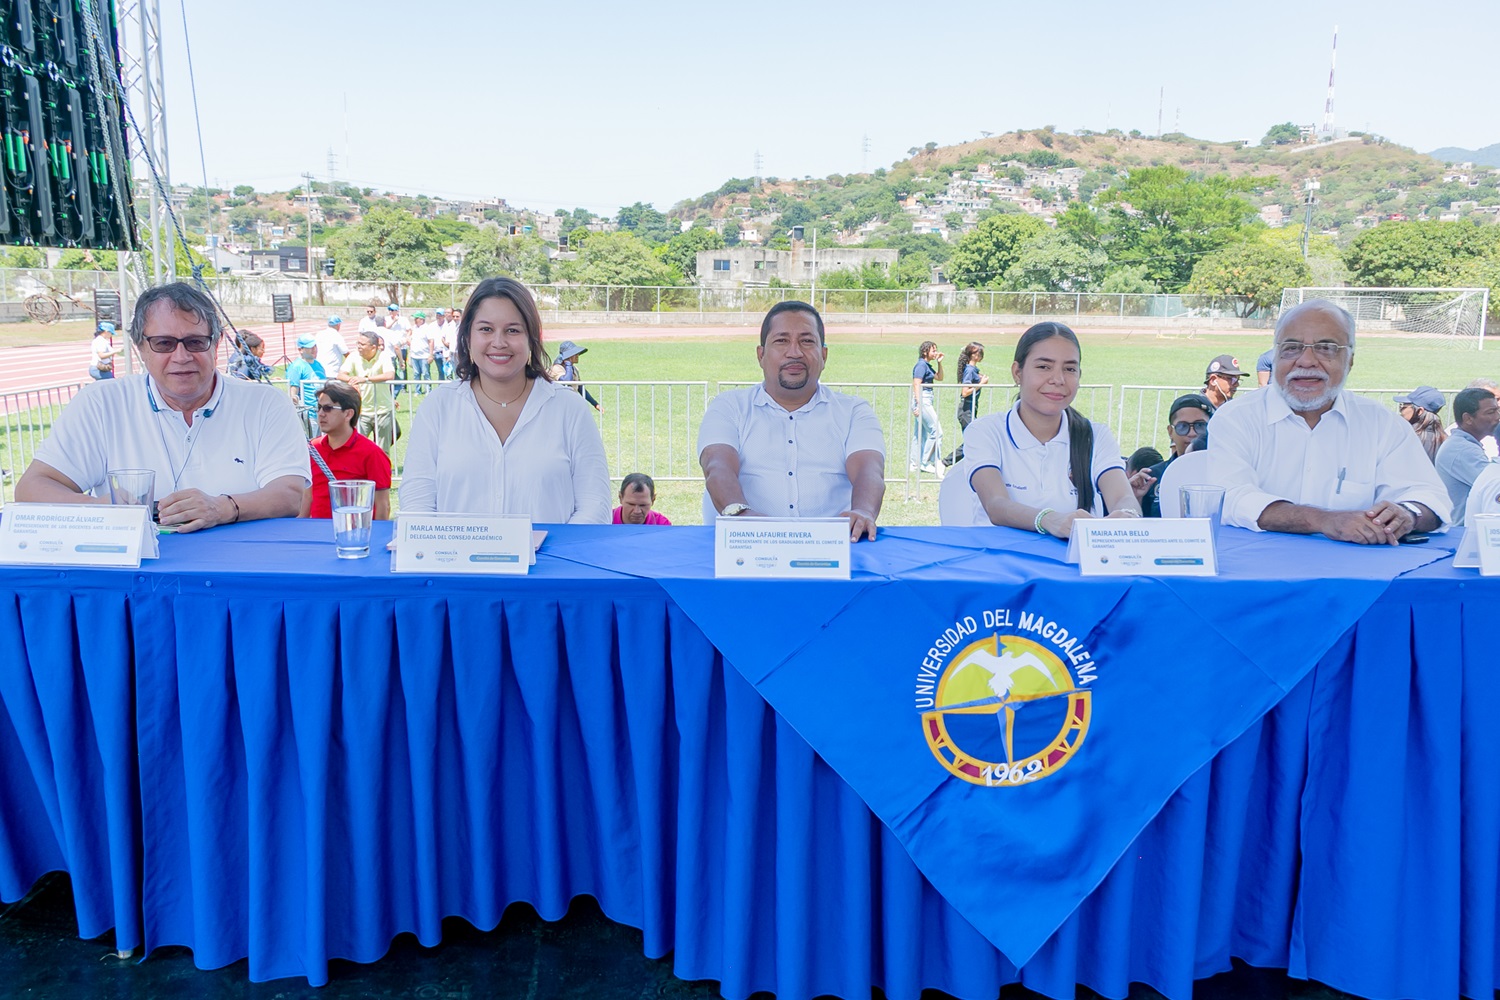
pixel 1305 456
pixel 790 447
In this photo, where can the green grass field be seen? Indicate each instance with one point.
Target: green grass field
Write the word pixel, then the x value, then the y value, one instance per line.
pixel 636 425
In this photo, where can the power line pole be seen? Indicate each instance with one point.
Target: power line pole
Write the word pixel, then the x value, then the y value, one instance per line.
pixel 1311 188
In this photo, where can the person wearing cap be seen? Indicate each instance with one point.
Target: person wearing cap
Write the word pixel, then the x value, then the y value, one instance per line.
pixel 565 369
pixel 1187 421
pixel 1420 408
pixel 789 446
pixel 420 346
pixel 1306 456
pixel 331 349
pixel 1461 458
pixel 304 377
pixel 396 330
pixel 103 351
pixel 1221 380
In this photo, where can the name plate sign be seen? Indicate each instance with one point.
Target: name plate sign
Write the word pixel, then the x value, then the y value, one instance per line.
pixel 1143 546
pixel 779 548
pixel 45 534
pixel 1485 531
pixel 463 543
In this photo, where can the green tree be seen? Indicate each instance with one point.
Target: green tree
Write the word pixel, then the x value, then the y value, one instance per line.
pixel 1055 264
pixel 646 222
pixel 1281 135
pixel 88 260
pixel 681 250
pixel 987 251
pixel 618 258
pixel 1397 254
pixel 389 246
pixel 1249 275
pixel 489 252
pixel 243 191
pixel 1128 280
pixel 731 232
pixel 21 257
pixel 1165 219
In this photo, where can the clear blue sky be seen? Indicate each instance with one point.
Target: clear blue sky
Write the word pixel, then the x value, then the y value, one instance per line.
pixel 600 104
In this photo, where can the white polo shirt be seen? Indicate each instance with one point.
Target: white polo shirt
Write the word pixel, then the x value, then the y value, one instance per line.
pixel 1036 473
pixel 1484 495
pixel 1359 454
pixel 792 464
pixel 331 349
pixel 247 435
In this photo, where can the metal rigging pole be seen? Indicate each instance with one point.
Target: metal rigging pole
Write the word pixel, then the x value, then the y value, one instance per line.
pixel 145 90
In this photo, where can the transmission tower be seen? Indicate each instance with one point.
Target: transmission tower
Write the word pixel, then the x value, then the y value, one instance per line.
pixel 1333 61
pixel 757 168
pixel 145 91
pixel 864 160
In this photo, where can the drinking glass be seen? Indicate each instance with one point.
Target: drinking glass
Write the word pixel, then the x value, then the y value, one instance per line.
pixel 1203 501
pixel 353 503
pixel 132 487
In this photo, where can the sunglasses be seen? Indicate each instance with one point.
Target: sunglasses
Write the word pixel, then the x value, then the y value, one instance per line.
pixel 328 408
pixel 166 345
pixel 1183 427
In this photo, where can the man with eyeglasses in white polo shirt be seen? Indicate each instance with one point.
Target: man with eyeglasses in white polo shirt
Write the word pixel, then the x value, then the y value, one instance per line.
pixel 1306 456
pixel 223 449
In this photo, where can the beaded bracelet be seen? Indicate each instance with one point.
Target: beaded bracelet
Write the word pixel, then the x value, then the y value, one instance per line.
pixel 1038 523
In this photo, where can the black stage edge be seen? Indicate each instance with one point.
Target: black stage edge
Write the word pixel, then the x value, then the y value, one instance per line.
pixel 584 956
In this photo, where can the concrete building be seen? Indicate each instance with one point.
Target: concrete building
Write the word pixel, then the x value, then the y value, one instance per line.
pixel 741 265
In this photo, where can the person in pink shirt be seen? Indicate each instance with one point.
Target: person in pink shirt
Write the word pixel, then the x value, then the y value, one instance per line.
pixel 637 494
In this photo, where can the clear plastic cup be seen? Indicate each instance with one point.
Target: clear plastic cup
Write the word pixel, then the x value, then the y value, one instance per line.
pixel 132 487
pixel 1203 501
pixel 353 503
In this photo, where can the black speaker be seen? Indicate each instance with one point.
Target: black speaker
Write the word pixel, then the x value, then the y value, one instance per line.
pixel 106 308
pixel 281 309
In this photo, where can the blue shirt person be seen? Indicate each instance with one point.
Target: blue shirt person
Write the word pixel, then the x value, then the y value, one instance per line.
pixel 305 376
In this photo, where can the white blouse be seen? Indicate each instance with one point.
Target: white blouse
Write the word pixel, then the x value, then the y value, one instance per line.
pixel 552 469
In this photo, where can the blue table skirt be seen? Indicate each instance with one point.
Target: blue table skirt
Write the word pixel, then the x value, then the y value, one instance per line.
pixel 319 771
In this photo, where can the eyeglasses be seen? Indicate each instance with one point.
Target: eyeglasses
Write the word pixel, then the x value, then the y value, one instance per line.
pixel 1290 350
pixel 1227 378
pixel 166 345
pixel 1183 428
pixel 328 408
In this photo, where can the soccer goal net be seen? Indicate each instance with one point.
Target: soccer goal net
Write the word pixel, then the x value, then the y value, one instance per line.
pixel 1453 314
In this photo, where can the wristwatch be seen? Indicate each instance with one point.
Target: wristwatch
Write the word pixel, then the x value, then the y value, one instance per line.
pixel 1412 508
pixel 730 510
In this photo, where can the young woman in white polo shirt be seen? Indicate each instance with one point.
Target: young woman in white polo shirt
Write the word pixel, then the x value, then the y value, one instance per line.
pixel 1041 465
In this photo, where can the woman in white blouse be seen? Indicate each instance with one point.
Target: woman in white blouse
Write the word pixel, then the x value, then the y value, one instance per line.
pixel 503 439
pixel 1043 465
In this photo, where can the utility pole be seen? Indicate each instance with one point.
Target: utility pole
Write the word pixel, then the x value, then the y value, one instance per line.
pixel 1161 99
pixel 311 275
pixel 1311 188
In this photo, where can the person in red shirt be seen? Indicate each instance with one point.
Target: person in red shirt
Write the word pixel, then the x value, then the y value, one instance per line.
pixel 346 452
pixel 637 494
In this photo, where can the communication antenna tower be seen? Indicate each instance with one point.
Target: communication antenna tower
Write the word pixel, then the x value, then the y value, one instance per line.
pixel 757 168
pixel 864 159
pixel 1328 106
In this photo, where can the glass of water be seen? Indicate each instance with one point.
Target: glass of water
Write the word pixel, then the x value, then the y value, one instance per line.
pixel 133 487
pixel 1203 501
pixel 353 503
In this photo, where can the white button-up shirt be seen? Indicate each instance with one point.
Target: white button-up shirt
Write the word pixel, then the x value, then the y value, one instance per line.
pixel 792 463
pixel 245 436
pixel 552 469
pixel 331 349
pixel 1036 473
pixel 1359 454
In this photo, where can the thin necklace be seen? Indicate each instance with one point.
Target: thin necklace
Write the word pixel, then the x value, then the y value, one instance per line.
pixel 526 384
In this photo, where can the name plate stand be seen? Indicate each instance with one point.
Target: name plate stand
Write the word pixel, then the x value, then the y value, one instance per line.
pixel 463 543
pixel 43 534
pixel 781 548
pixel 1144 546
pixel 1485 535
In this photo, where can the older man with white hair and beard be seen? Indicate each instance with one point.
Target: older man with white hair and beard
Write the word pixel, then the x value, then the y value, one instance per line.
pixel 1306 456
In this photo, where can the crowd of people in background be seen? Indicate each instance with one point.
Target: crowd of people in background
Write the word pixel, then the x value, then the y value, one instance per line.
pixel 509 429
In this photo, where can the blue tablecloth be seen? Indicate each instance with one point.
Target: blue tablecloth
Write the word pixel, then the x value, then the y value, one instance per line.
pixel 253 749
